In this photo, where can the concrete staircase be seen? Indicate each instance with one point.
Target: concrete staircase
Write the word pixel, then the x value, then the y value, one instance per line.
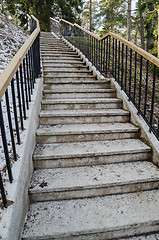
pixel 93 176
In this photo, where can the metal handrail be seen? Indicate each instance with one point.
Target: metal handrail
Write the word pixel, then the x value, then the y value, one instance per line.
pixel 134 69
pixel 21 73
pixel 139 50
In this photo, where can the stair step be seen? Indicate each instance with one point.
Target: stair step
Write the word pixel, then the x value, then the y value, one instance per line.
pixel 151 236
pixel 55 48
pixel 47 66
pixel 83 116
pixel 81 93
pixel 72 104
pixel 101 218
pixel 93 181
pixel 65 70
pixel 75 83
pixel 89 153
pixel 85 132
pixel 69 74
pixel 59 54
pixel 61 57
pixel 77 61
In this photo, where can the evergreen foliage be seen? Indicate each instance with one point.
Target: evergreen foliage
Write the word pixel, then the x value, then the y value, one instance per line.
pixel 44 9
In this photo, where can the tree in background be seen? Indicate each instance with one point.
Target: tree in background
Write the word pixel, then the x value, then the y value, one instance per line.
pixel 89 14
pixel 146 23
pixel 129 21
pixel 44 9
pixel 112 15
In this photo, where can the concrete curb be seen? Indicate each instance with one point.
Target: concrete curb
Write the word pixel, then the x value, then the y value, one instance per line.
pixel 13 217
pixel 137 120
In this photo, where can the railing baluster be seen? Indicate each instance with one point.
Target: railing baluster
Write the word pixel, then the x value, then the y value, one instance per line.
pixel 101 56
pixel 122 66
pixel 25 82
pixel 140 84
pixel 126 65
pixel 119 62
pixel 146 86
pixel 96 55
pixel 153 97
pixel 32 66
pixel 28 77
pixel 104 65
pixel 19 101
pixel 15 111
pixel 134 100
pixel 107 57
pixel 115 57
pixel 30 72
pixel 5 146
pixel 22 91
pixel 109 53
pixel 130 74
pixel 10 125
pixel 3 192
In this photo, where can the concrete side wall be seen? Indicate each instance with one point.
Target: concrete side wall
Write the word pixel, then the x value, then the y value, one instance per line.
pixel 14 216
pixel 137 120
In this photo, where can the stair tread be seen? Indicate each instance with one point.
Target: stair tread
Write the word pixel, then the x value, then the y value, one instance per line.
pixel 79 100
pixel 83 112
pixel 86 128
pixel 108 214
pixel 122 146
pixel 75 178
pixel 66 70
pixel 72 81
pixel 79 90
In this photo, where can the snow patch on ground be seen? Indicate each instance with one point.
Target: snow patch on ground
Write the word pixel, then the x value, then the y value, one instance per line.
pixel 11 40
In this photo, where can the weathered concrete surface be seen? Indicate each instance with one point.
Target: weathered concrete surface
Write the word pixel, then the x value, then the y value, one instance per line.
pixel 75 161
pixel 90 181
pixel 13 217
pixel 86 132
pixel 97 218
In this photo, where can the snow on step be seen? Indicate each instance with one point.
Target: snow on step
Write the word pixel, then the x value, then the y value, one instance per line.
pixel 89 148
pixel 71 104
pixel 90 181
pixel 101 218
pixel 86 132
pixel 83 116
pixel 48 113
pixel 89 153
pixel 78 93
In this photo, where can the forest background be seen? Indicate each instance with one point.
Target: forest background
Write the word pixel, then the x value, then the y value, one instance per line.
pixel 139 25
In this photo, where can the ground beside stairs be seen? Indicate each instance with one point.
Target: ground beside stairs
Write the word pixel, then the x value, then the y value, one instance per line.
pixel 93 176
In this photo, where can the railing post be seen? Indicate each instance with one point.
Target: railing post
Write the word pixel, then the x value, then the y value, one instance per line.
pixel 36 56
pixel 5 146
pixel 3 192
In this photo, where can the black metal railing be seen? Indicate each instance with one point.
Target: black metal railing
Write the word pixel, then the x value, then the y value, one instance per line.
pixel 15 95
pixel 135 70
pixel 55 26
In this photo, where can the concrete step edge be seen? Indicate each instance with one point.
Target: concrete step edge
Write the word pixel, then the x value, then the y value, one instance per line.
pixel 100 218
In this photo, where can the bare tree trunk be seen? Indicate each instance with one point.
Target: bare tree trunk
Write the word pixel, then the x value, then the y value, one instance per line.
pixel 141 26
pixel 129 21
pixel 48 14
pixel 90 15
